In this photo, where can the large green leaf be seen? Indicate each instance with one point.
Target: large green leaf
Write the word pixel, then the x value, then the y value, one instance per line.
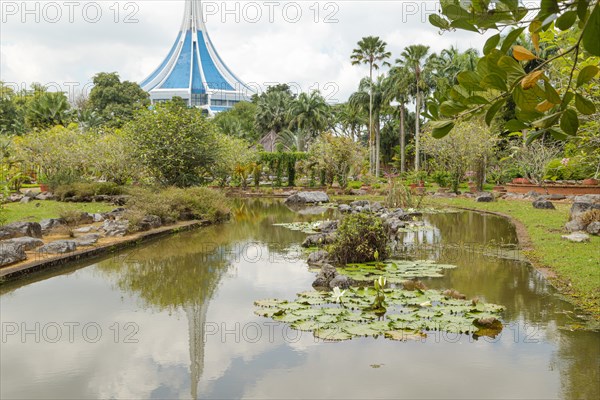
pixel 510 39
pixel 551 94
pixel 494 81
pixel 566 20
pixel 493 110
pixel 584 105
pixel 438 21
pixel 441 128
pixel 587 74
pixel 491 43
pixel 525 99
pixel 569 122
pixel 513 69
pixel 591 43
pixel 515 125
pixel 469 80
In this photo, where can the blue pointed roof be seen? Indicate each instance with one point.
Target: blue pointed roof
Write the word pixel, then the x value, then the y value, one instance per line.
pixel 194 70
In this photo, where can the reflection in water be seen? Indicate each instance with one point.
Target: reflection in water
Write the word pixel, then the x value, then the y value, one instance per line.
pixel 182 288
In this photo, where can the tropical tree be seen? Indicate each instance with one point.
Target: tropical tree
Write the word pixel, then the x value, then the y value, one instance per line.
pixel 398 86
pixel 371 51
pixel 48 109
pixel 116 101
pixel 272 112
pixel 238 121
pixel 349 120
pixel 542 106
pixel 370 97
pixel 309 113
pixel 337 156
pixel 177 145
pixel 413 58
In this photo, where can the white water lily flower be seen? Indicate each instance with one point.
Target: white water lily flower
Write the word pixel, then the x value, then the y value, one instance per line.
pixel 426 304
pixel 338 294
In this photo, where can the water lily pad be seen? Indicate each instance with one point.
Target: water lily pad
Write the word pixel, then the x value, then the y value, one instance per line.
pixel 408 313
pixel 395 271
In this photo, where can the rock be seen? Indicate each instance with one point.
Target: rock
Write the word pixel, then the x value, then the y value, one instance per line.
pixel 341 281
pixel 594 228
pixel 98 217
pixel 318 257
pixel 393 224
pixel 150 222
pixel 543 204
pixel 533 194
pixel 445 195
pixel 88 240
pixel 360 203
pixel 328 226
pixel 30 193
pixel 85 229
pixel 326 275
pixel 358 192
pixel 357 209
pixel 20 229
pixel 85 218
pixel 553 197
pixel 345 208
pixel 377 207
pixel 577 237
pixel 44 196
pixel 25 200
pixel 13 198
pixel 115 228
pixel 49 224
pixel 58 247
pixel 27 243
pixel 484 197
pixel 11 253
pixel 114 214
pixel 583 204
pixel 575 225
pixel 308 198
pixel 120 200
pixel 319 239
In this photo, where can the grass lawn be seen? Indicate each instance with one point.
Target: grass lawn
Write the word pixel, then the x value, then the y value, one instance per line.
pixel 576 266
pixel 36 211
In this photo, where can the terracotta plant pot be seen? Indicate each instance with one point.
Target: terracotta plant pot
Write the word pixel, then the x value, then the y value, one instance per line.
pixel 591 182
pixel 44 187
pixel 499 189
pixel 521 181
pixel 413 185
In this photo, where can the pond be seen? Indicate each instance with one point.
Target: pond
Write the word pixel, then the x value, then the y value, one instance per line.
pixel 175 319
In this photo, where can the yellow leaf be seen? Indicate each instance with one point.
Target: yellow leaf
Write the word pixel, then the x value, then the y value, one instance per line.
pixel 522 54
pixel 534 28
pixel 531 79
pixel 544 106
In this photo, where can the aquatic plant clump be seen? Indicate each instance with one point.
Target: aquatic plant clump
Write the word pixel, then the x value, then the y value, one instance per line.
pixel 410 315
pixel 395 271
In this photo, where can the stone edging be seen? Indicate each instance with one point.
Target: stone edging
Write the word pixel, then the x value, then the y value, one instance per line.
pixel 17 271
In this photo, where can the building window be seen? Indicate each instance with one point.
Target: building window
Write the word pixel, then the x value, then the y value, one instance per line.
pixel 199 99
pixel 218 102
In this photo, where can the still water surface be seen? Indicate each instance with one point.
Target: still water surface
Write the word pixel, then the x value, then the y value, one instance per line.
pixel 174 319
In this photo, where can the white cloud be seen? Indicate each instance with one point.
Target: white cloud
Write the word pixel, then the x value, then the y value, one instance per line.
pixel 305 52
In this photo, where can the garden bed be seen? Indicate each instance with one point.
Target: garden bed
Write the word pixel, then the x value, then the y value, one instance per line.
pixel 566 190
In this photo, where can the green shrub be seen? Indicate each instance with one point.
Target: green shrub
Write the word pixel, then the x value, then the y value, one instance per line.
pixel 173 204
pixel 573 168
pixel 442 178
pixel 88 189
pixel 357 239
pixel 354 184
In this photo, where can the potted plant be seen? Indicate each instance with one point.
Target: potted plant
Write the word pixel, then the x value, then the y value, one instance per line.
pixel 42 180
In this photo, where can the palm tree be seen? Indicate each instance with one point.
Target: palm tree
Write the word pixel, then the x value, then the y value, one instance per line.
pixel 398 86
pixel 309 113
pixel 371 96
pixel 349 120
pixel 413 58
pixel 48 109
pixel 272 112
pixel 371 51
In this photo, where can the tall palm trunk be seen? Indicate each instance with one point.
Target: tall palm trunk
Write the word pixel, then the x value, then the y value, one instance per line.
pixel 371 152
pixel 417 127
pixel 402 141
pixel 377 145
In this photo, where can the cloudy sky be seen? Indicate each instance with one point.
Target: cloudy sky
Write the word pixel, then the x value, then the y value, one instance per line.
pixel 304 43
